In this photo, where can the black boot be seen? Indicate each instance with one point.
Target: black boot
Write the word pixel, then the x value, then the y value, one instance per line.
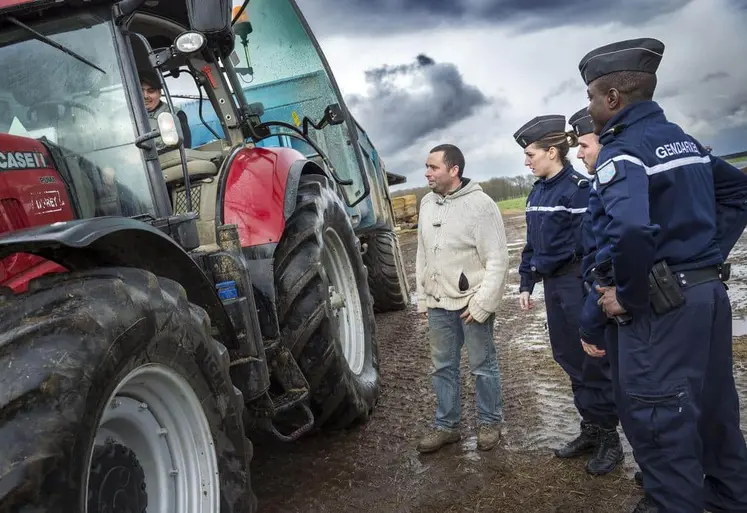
pixel 646 505
pixel 638 476
pixel 607 454
pixel 582 444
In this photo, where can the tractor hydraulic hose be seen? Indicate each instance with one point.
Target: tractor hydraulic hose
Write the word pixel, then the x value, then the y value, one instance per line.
pixel 201 99
pixel 304 138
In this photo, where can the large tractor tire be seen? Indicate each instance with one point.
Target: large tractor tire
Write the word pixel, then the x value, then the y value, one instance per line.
pixel 387 277
pixel 114 397
pixel 325 308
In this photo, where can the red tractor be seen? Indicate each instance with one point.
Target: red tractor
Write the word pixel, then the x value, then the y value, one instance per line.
pixel 158 303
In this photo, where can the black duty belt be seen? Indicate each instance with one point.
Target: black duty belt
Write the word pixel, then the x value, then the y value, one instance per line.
pixel 693 277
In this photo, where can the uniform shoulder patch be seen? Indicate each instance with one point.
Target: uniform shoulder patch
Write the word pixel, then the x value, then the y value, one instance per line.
pixel 606 173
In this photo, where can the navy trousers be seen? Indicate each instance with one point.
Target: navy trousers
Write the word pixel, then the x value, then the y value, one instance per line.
pixel 592 388
pixel 679 404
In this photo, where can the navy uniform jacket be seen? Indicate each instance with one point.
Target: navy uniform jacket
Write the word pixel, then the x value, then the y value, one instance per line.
pixel 660 197
pixel 554 212
pixel 593 321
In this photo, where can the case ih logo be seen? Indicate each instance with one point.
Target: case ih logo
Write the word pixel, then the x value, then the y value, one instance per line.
pixel 22 160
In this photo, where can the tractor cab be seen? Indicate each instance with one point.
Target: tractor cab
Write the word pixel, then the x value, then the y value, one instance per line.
pixel 183 274
pixel 74 90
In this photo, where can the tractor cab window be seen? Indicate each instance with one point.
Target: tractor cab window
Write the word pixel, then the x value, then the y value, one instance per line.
pixel 280 67
pixel 78 107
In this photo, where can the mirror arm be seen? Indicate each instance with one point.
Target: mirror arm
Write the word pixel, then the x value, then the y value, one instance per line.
pixel 148 136
pixel 307 122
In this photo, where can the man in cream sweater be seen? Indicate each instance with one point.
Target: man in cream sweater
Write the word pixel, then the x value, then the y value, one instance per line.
pixel 462 269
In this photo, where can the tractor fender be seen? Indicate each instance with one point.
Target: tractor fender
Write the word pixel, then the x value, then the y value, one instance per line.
pixel 122 242
pixel 258 191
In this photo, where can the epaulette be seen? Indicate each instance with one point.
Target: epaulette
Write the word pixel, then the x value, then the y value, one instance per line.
pixel 579 180
pixel 612 132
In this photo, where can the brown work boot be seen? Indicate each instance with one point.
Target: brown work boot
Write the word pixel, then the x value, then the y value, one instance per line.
pixel 488 436
pixel 437 438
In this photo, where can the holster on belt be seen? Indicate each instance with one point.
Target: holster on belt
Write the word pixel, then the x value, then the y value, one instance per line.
pixel 665 286
pixel 665 293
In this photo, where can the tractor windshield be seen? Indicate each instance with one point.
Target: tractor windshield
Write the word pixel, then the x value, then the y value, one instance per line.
pixel 78 108
pixel 280 66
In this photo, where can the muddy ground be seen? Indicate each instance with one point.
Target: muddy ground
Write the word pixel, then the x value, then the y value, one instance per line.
pixel 376 467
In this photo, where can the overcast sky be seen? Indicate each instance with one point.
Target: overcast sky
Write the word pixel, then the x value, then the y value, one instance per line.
pixel 416 73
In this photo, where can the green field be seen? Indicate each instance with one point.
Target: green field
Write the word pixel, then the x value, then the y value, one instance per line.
pixel 513 204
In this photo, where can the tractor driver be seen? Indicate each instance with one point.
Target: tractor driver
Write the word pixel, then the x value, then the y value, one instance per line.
pixel 152 91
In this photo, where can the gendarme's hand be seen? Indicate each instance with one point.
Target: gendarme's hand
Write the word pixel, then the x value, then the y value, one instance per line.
pixel 608 301
pixel 592 350
pixel 525 302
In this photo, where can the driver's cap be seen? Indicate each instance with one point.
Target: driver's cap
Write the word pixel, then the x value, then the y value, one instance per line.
pixel 150 78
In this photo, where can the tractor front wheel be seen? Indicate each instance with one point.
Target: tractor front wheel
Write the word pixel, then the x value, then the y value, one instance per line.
pixel 325 308
pixel 114 397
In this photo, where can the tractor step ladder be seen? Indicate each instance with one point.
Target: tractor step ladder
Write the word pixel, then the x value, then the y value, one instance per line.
pixel 286 373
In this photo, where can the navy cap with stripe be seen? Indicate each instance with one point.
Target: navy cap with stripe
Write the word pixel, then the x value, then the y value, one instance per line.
pixel 536 128
pixel 642 54
pixel 581 122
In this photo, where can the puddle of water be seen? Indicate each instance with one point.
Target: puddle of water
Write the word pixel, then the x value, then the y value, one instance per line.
pixel 739 327
pixel 537 347
pixel 740 379
pixel 738 296
pixel 469 449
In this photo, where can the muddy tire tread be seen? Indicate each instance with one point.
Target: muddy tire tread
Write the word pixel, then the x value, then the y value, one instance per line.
pixel 63 341
pixel 383 273
pixel 304 317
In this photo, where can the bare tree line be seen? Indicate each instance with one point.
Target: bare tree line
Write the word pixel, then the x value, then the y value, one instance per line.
pixel 497 188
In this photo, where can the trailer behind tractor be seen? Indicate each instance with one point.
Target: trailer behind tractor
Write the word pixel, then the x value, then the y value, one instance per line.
pixel 157 306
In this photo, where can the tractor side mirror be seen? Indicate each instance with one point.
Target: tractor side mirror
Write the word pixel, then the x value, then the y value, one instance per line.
pixel 167 128
pixel 333 115
pixel 166 131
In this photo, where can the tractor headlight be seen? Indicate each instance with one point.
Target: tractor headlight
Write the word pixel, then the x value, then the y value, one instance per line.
pixel 190 42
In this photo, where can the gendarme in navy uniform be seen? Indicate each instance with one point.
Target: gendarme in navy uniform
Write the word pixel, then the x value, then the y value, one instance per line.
pixel 554 212
pixel 669 214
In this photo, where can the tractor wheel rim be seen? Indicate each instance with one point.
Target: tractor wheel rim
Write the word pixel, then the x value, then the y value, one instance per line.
pixel 344 300
pixel 157 415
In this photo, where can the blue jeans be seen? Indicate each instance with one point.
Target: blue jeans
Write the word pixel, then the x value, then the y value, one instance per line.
pixel 447 334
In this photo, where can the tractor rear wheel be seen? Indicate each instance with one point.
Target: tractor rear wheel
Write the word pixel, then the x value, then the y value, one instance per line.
pixel 325 308
pixel 114 397
pixel 387 277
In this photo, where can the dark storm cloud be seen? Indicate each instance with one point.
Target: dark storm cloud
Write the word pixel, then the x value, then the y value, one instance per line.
pixel 386 16
pixel 715 76
pixel 406 102
pixel 566 86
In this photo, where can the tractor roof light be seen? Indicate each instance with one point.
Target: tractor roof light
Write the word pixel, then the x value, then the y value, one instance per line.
pixel 190 42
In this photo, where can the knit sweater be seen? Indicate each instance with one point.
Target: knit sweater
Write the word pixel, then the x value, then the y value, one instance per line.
pixel 462 258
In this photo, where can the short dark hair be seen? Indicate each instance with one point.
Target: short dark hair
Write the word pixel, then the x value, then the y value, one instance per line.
pixel 453 156
pixel 634 86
